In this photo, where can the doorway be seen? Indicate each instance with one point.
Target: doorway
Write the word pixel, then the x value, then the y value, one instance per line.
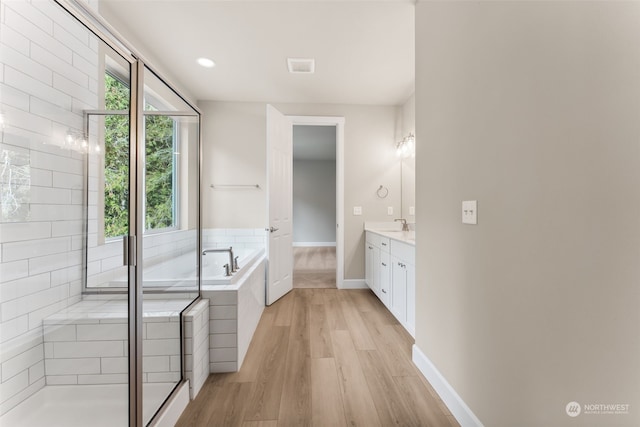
pixel 279 198
pixel 314 206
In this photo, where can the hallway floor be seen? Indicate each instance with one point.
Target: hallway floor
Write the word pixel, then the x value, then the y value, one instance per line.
pixel 322 357
pixel 314 267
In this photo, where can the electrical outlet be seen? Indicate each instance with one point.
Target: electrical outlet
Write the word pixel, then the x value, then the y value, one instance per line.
pixel 470 212
pixel 357 210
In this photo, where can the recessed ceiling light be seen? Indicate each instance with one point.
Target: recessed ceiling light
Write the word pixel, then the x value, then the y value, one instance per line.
pixel 301 65
pixel 206 62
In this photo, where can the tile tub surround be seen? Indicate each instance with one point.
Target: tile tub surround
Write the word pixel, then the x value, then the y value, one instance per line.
pixel 104 262
pixel 196 346
pixel 87 343
pixel 253 238
pixel 234 313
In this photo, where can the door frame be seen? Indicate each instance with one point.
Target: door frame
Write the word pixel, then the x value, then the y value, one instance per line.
pixel 338 122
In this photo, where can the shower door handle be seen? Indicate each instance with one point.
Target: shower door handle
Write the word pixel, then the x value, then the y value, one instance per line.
pixel 129 250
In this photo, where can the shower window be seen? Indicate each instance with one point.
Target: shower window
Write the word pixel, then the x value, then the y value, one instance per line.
pixel 160 172
pixel 161 167
pixel 116 159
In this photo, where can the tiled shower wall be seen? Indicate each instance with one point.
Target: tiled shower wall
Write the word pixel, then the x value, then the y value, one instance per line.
pixel 105 261
pixel 48 76
pixel 196 346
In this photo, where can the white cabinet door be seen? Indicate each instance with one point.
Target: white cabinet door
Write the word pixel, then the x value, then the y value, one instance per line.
pixel 377 281
pixel 368 264
pixel 399 289
pixel 385 278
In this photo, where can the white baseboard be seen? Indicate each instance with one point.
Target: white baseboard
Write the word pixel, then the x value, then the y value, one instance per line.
pixel 174 408
pixel 353 284
pixel 313 244
pixel 454 402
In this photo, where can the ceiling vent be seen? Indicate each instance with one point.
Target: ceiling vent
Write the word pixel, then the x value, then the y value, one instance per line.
pixel 301 65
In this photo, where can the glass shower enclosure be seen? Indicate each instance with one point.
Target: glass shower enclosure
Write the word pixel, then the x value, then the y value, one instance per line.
pixel 100 223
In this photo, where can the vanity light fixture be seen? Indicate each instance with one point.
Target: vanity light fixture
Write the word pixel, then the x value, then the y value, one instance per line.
pixel 206 62
pixel 406 147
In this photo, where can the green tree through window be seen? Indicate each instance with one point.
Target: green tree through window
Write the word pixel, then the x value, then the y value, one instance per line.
pixel 160 133
pixel 116 159
pixel 159 139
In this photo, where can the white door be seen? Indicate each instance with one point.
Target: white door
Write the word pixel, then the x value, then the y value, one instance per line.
pixel 279 189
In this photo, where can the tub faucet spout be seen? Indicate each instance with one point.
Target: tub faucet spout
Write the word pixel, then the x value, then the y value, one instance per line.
pixel 229 249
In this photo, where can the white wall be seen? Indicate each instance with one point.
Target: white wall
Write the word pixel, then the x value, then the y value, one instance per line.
pixel 314 201
pixel 234 151
pixel 407 118
pixel 533 109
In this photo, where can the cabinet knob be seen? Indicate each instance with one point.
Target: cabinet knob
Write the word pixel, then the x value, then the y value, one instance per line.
pixel 370 247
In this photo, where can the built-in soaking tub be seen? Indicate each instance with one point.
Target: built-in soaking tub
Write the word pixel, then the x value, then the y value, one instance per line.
pixel 235 305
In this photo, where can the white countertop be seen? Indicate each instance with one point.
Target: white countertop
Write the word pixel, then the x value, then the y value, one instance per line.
pixel 392 230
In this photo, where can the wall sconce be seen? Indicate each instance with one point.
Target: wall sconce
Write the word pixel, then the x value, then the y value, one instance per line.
pixel 78 142
pixel 406 147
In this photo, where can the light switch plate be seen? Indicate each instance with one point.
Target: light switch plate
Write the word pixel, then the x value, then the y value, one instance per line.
pixel 412 210
pixel 390 210
pixel 357 210
pixel 470 212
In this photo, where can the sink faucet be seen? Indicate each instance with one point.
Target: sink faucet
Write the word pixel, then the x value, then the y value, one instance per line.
pixel 229 249
pixel 405 226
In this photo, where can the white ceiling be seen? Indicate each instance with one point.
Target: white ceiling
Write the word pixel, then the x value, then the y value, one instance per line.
pixel 364 50
pixel 314 142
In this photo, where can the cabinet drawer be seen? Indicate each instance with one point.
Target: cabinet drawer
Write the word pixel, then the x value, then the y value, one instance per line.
pixel 404 252
pixel 378 240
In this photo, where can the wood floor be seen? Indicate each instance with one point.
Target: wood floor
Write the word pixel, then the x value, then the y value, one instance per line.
pixel 322 357
pixel 314 267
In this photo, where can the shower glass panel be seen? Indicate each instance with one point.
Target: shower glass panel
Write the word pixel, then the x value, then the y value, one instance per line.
pixel 170 240
pixel 64 161
pixel 84 169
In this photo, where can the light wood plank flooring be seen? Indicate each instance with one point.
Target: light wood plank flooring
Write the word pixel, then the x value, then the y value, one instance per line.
pixel 322 357
pixel 314 267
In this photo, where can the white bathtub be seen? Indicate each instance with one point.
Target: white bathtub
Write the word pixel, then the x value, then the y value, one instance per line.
pixel 213 266
pixel 235 306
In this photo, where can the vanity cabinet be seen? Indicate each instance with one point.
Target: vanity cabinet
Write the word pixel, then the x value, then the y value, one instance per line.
pixel 403 280
pixel 390 273
pixel 377 266
pixel 385 276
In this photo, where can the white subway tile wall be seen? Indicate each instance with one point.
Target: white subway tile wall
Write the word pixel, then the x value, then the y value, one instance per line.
pixel 233 318
pixel 87 343
pixel 48 64
pixel 251 238
pixel 196 331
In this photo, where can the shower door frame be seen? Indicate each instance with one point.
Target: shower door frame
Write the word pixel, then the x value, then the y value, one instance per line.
pixel 108 35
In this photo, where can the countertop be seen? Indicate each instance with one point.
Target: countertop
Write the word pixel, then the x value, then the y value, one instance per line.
pixel 392 230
